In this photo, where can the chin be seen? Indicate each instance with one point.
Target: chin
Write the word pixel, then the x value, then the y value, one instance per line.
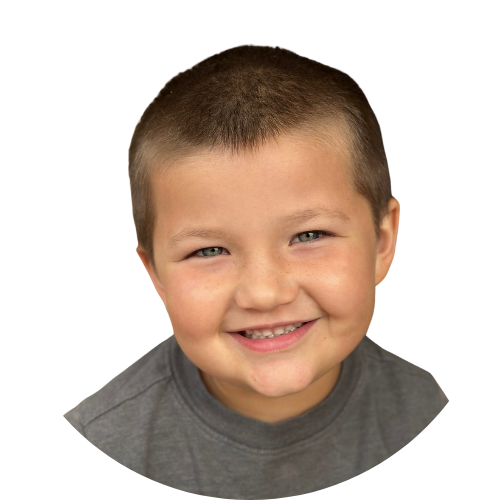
pixel 280 388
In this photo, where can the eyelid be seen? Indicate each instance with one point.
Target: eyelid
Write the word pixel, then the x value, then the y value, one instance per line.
pixel 321 232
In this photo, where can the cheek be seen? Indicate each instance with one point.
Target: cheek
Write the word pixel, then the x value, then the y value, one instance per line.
pixel 345 286
pixel 195 306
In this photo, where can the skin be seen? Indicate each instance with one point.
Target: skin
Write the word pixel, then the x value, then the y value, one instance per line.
pixel 267 272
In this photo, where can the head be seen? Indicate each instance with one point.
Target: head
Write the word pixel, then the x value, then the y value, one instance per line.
pixel 281 159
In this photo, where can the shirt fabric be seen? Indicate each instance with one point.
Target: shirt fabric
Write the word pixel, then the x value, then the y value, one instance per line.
pixel 158 419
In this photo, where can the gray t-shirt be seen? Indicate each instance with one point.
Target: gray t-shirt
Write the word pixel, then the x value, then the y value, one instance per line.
pixel 158 419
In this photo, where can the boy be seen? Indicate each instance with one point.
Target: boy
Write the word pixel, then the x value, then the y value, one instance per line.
pixel 263 207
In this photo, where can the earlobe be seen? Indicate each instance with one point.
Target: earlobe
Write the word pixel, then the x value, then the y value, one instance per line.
pixel 144 258
pixel 386 248
pixel 155 280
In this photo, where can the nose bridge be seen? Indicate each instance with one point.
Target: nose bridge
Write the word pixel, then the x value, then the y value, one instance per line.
pixel 265 281
pixel 263 263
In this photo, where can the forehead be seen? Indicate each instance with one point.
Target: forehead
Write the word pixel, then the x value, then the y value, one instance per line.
pixel 294 157
pixel 292 173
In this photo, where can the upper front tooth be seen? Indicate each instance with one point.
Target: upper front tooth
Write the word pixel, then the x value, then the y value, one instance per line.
pixel 274 331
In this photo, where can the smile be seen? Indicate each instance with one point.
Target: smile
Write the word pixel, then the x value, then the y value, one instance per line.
pixel 264 341
pixel 270 333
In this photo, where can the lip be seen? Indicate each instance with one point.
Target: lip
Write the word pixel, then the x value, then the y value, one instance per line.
pixel 276 343
pixel 269 326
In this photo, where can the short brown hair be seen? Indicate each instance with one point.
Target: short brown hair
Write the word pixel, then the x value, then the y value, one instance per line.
pixel 241 98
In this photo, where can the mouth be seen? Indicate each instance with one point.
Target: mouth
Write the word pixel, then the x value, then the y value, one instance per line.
pixel 261 337
pixel 265 341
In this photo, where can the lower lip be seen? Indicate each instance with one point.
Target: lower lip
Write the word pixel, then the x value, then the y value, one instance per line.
pixel 276 343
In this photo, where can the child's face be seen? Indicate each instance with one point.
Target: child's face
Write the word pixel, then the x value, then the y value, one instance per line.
pixel 263 270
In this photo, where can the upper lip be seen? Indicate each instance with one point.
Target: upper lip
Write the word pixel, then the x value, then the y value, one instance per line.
pixel 270 326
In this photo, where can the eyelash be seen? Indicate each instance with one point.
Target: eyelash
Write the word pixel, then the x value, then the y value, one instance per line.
pixel 323 233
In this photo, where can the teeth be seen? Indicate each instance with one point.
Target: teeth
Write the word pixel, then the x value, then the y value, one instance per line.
pixel 269 334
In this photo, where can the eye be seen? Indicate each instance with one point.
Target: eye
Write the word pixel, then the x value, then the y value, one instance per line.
pixel 216 251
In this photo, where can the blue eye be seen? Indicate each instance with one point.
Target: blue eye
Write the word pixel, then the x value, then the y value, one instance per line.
pixel 212 251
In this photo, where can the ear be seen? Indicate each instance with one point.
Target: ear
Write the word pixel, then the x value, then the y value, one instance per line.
pixel 387 243
pixel 152 273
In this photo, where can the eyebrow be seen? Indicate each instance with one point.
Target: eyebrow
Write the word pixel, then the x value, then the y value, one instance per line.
pixel 294 218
